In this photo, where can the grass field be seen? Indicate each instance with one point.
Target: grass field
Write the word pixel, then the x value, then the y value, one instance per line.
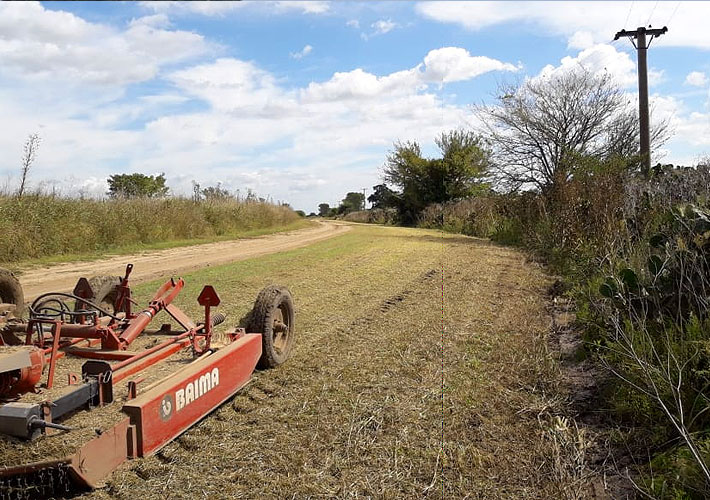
pixel 41 229
pixel 358 410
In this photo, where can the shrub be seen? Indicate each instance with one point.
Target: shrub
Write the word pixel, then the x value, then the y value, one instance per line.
pixel 373 216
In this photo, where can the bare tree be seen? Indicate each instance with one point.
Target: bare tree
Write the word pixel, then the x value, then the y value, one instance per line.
pixel 540 128
pixel 29 154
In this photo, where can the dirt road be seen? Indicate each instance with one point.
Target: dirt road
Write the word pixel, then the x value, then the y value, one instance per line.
pixel 173 261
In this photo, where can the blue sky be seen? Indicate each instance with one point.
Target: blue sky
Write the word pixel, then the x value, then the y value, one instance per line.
pixel 300 101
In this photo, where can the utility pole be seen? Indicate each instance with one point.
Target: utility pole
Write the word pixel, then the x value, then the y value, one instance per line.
pixel 364 199
pixel 641 47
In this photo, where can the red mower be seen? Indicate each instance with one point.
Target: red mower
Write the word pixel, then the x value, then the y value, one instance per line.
pixel 151 385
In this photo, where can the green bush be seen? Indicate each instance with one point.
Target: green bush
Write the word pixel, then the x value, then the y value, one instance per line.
pixel 373 216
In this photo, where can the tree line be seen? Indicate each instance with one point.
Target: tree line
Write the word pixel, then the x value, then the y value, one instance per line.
pixel 534 137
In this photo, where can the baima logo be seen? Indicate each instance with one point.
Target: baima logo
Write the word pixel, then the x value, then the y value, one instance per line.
pixel 197 388
pixel 166 407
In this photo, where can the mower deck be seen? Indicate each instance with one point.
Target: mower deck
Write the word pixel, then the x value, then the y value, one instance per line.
pixel 57 445
pixel 90 388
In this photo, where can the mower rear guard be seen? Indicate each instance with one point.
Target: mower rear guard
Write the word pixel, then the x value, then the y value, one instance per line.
pixel 155 418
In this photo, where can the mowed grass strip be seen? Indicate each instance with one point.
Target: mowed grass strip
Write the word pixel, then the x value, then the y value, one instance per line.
pixel 357 412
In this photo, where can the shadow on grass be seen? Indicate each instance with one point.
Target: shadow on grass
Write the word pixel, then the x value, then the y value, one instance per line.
pixel 449 238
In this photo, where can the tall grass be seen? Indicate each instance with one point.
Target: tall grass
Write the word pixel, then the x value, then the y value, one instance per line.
pixel 40 225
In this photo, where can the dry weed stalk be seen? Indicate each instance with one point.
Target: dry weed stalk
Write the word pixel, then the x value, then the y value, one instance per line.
pixel 570 445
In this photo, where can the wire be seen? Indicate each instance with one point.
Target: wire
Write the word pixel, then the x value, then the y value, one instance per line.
pixel 65 310
pixel 652 11
pixel 673 15
pixel 629 13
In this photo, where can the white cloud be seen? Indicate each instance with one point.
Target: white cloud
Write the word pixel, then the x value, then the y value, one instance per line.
pixel 230 84
pixel 222 7
pixel 445 65
pixel 59 46
pixel 358 84
pixel 696 79
pixel 254 132
pixel 379 27
pixel 312 7
pixel 569 18
pixel 605 58
pixel 155 21
pixel 453 64
pixel 580 40
pixel 383 26
pixel 599 59
pixel 302 53
pixel 353 23
pixel 207 8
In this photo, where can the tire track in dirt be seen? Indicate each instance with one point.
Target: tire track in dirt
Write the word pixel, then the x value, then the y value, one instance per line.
pixel 173 261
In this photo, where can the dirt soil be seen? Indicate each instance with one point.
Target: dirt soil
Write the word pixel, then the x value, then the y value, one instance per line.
pixel 172 262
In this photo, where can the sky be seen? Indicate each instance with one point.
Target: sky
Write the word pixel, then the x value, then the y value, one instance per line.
pixel 300 102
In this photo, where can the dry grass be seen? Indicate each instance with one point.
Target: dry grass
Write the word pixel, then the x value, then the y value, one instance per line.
pixel 39 226
pixel 358 411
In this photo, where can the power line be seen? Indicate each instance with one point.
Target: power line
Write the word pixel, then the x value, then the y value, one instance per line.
pixel 629 13
pixel 674 11
pixel 652 11
pixel 639 35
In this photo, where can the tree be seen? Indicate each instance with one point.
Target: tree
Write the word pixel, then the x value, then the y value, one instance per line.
pixel 458 174
pixel 29 154
pixel 351 203
pixel 382 197
pixel 216 192
pixel 301 213
pixel 137 186
pixel 324 210
pixel 540 128
pixel 196 192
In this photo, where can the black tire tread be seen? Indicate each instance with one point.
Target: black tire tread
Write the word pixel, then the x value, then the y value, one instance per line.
pixel 261 321
pixel 102 287
pixel 11 290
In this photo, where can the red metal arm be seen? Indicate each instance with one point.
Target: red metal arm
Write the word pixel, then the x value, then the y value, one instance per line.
pixel 163 297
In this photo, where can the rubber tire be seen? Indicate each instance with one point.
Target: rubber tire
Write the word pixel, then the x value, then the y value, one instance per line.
pixel 11 291
pixel 261 320
pixel 104 290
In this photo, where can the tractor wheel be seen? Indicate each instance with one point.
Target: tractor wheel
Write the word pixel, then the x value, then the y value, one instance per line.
pixel 104 292
pixel 11 291
pixel 273 316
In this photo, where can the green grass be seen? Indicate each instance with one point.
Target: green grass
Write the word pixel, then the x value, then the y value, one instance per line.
pixel 40 228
